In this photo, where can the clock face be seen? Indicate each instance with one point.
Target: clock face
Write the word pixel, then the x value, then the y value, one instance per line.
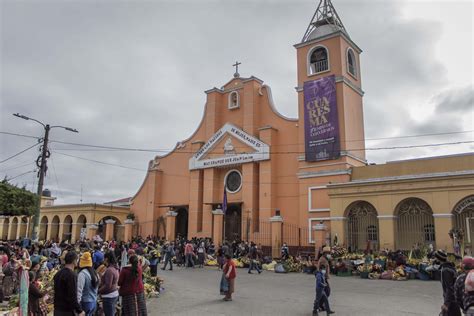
pixel 233 181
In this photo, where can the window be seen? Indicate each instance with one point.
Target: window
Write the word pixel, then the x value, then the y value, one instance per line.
pixel 233 100
pixel 372 233
pixel 429 233
pixel 351 62
pixel 233 181
pixel 318 60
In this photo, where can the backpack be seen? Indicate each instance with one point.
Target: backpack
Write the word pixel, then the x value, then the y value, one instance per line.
pixel 469 282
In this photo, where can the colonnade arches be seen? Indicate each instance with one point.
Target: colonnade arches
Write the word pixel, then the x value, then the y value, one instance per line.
pixel 81 226
pixel 6 224
pixel 464 218
pixel 23 226
pixel 43 228
pixel 118 228
pixel 55 228
pixel 67 228
pixel 362 228
pixel 415 223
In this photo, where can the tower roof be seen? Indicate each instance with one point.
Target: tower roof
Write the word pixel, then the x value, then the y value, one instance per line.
pixel 324 21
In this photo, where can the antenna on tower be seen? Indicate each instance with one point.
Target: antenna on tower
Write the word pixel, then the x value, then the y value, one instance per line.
pixel 325 14
pixel 81 193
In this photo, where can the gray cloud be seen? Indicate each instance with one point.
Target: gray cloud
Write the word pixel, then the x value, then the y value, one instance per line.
pixel 133 74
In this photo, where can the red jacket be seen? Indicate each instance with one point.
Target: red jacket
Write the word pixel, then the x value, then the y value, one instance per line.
pixel 230 265
pixel 128 283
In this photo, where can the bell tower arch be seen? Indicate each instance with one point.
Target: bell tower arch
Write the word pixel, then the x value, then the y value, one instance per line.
pixel 326 51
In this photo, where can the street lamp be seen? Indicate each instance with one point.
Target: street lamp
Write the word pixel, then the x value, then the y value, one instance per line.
pixel 41 163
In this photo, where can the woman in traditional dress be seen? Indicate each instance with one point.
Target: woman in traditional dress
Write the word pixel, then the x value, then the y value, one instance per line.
pixel 131 288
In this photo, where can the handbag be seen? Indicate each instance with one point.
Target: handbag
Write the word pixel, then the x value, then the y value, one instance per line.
pixel 224 286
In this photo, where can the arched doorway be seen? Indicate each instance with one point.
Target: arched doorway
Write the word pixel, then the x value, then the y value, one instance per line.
pixel 67 228
pixel 6 224
pixel 81 226
pixel 23 226
pixel 182 223
pixel 55 228
pixel 118 229
pixel 233 222
pixel 464 219
pixel 362 228
pixel 43 229
pixel 14 229
pixel 415 224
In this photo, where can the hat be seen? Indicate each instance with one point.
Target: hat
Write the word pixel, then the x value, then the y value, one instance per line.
pixel 327 249
pixel 468 262
pixel 441 255
pixel 86 260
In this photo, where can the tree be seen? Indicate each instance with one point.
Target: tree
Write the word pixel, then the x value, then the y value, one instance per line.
pixel 16 201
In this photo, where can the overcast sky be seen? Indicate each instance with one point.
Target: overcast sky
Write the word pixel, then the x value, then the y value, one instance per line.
pixel 133 74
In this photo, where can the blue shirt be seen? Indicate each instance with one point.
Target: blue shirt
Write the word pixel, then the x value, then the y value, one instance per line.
pixel 98 257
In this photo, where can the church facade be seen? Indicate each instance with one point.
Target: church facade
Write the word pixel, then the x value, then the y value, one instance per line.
pixel 270 166
pixel 250 173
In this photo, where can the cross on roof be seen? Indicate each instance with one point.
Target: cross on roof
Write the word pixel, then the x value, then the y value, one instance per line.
pixel 236 65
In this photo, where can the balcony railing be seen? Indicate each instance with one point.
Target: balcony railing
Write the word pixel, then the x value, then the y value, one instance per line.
pixel 319 66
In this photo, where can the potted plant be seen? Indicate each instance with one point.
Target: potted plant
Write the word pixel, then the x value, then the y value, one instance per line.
pixel 131 216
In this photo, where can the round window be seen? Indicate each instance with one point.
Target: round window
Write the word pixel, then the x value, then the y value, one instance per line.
pixel 233 181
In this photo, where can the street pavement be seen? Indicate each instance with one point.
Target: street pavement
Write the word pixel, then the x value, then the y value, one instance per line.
pixel 196 292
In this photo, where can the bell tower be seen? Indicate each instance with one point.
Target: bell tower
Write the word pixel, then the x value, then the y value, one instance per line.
pixel 331 123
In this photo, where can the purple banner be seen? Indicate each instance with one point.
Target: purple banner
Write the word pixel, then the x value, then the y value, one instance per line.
pixel 321 123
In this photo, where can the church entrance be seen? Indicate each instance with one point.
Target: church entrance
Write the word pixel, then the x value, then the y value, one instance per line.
pixel 182 223
pixel 233 222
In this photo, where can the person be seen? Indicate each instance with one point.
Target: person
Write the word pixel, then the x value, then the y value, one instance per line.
pixel 321 297
pixel 87 284
pixel 98 257
pixel 285 252
pixel 464 297
pixel 169 253
pixel 131 289
pixel 253 255
pixel 154 259
pixel 448 278
pixel 201 254
pixel 189 254
pixel 229 273
pixel 108 289
pixel 65 289
pixel 35 308
pixel 220 258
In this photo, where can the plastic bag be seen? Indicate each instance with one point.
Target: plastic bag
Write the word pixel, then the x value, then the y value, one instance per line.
pixel 279 268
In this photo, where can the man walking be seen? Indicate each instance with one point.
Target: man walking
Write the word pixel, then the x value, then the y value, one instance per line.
pixel 448 278
pixel 253 255
pixel 65 289
pixel 189 254
pixel 169 254
pixel 463 289
pixel 321 297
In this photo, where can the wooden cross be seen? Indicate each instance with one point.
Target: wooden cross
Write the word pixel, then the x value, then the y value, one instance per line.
pixel 236 65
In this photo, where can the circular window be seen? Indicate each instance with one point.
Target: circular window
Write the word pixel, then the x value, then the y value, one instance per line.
pixel 233 181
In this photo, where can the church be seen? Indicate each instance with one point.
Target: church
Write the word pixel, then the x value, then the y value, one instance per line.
pixel 250 173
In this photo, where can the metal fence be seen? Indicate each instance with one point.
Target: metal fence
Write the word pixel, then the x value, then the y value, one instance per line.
pixel 297 239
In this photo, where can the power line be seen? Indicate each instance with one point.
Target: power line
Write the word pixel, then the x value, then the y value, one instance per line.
pixel 100 162
pixel 17 176
pixel 16 167
pixel 20 135
pixel 19 153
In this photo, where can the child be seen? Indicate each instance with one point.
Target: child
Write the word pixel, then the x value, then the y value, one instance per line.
pixel 321 296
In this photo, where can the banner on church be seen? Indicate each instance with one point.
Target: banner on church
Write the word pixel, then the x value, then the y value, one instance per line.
pixel 321 123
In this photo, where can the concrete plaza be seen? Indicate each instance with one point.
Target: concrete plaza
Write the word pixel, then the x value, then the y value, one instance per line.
pixel 196 292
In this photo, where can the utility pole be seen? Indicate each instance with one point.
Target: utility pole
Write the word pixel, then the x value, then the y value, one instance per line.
pixel 41 162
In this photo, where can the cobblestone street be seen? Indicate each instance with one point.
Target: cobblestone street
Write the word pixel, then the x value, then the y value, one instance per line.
pixel 195 292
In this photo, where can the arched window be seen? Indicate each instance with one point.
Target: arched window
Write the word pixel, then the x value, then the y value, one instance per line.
pixel 233 100
pixel 362 226
pixel 415 223
pixel 318 60
pixel 351 62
